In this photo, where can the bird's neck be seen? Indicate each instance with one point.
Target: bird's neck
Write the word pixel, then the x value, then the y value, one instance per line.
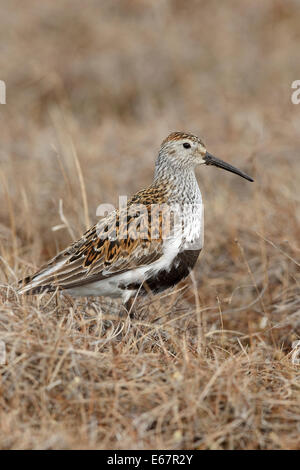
pixel 181 181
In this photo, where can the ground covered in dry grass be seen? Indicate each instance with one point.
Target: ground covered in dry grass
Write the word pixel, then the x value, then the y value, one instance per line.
pixel 91 93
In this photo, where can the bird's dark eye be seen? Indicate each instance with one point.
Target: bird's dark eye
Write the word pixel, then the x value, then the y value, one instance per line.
pixel 186 145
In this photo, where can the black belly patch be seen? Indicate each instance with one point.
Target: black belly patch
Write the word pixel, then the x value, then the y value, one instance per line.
pixel 182 265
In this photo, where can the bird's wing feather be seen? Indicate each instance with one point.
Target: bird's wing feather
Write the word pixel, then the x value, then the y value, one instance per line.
pixel 120 242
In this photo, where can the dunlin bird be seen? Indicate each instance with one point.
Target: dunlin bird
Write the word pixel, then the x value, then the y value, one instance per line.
pixel 148 246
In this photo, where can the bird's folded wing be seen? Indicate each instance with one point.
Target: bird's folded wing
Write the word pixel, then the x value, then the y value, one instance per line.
pixel 109 248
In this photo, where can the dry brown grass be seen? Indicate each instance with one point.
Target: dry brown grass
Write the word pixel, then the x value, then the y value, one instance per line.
pixel 206 367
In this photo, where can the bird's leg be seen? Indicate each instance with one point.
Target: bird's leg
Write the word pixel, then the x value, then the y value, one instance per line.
pixel 129 307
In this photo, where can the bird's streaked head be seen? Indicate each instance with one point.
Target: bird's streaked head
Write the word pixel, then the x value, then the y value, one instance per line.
pixel 182 150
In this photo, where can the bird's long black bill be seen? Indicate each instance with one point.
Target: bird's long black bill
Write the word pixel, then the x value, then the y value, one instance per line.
pixel 211 160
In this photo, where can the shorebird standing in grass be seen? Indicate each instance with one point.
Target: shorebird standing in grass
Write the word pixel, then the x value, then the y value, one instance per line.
pixel 148 246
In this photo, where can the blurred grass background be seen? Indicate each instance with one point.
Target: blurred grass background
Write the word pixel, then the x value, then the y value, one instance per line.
pixel 98 86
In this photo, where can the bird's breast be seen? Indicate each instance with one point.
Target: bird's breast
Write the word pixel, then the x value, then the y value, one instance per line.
pixel 193 226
